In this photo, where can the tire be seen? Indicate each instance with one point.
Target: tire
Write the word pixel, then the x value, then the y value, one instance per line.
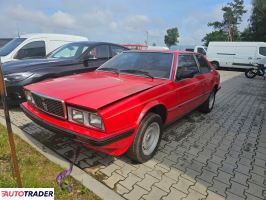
pixel 150 129
pixel 207 106
pixel 250 73
pixel 215 65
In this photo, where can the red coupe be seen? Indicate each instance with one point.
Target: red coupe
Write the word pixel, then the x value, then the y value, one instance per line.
pixel 124 105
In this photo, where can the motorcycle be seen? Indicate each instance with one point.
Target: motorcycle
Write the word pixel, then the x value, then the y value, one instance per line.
pixel 259 69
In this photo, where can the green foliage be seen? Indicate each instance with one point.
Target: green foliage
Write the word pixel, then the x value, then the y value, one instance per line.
pixel 257 28
pixel 171 38
pixel 247 35
pixel 214 36
pixel 232 16
pixel 36 171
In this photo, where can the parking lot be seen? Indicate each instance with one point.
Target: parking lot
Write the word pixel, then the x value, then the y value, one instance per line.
pixel 221 155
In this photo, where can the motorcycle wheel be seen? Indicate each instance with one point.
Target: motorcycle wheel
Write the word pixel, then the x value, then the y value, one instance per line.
pixel 250 73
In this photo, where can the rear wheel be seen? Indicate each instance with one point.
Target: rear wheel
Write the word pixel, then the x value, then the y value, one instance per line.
pixel 147 138
pixel 250 73
pixel 207 106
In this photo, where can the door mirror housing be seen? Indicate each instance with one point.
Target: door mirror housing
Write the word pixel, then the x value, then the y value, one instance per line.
pixel 89 57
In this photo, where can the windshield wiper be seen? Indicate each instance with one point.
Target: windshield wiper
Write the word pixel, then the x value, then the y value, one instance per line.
pixel 114 70
pixel 135 71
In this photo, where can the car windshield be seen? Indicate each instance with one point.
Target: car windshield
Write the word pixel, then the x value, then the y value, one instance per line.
pixel 150 64
pixel 10 46
pixel 72 50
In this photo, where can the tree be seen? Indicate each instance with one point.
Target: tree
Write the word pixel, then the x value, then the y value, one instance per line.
pixel 154 44
pixel 247 34
pixel 214 36
pixel 232 16
pixel 257 27
pixel 171 38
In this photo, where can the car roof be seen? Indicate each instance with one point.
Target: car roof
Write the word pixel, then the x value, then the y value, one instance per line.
pixel 164 51
pixel 47 35
pixel 97 43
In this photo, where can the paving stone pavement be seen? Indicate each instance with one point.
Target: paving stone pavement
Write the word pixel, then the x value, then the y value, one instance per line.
pixel 221 155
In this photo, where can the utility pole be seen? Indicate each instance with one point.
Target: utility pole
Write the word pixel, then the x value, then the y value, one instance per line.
pixel 147 38
pixel 9 129
pixel 18 32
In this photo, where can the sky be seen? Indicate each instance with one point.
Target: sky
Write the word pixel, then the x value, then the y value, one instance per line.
pixel 119 21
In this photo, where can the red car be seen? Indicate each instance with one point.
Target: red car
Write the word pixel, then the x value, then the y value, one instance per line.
pixel 124 105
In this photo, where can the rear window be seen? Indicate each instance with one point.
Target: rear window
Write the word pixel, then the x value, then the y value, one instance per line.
pixel 262 51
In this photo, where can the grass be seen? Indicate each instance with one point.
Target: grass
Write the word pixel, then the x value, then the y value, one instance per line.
pixel 36 171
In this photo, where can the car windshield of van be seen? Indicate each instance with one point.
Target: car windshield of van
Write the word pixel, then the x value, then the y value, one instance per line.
pixel 73 50
pixel 149 64
pixel 10 46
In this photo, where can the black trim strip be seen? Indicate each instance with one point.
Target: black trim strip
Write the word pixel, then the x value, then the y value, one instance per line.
pixel 242 64
pixel 68 133
pixel 227 54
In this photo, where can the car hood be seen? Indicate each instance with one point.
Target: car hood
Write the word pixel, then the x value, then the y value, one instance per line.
pixel 31 65
pixel 95 89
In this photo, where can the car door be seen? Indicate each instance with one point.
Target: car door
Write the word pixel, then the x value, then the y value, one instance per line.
pixel 205 76
pixel 188 84
pixel 245 56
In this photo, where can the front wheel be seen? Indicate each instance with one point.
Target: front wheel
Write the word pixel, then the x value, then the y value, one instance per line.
pixel 250 73
pixel 207 106
pixel 147 138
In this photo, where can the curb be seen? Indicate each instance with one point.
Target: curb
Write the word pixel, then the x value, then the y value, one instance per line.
pixel 85 179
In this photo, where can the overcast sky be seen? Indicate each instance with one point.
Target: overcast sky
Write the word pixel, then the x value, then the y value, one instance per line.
pixel 120 21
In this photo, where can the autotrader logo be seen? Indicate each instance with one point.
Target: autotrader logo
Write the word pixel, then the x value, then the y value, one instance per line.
pixel 27 193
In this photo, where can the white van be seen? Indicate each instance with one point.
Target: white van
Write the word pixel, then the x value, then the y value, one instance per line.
pixel 35 45
pixel 235 54
pixel 157 48
pixel 193 48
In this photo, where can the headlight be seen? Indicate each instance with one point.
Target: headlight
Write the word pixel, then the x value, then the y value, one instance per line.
pixel 85 118
pixel 17 76
pixel 95 120
pixel 29 96
pixel 77 116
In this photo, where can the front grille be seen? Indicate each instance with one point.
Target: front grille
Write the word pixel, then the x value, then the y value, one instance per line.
pixel 49 105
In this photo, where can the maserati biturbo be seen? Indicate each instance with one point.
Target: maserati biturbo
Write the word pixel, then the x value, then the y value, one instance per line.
pixel 124 105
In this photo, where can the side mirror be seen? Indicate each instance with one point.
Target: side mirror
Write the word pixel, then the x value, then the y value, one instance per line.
pixel 89 57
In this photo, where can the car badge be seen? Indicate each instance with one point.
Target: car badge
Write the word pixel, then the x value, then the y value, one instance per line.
pixel 44 105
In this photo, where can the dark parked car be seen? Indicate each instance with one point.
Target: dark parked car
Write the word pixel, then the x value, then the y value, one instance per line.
pixel 69 59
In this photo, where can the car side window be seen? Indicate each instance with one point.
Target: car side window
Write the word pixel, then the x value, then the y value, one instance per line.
pixel 100 52
pixel 32 50
pixel 262 51
pixel 204 65
pixel 187 67
pixel 201 50
pixel 115 50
